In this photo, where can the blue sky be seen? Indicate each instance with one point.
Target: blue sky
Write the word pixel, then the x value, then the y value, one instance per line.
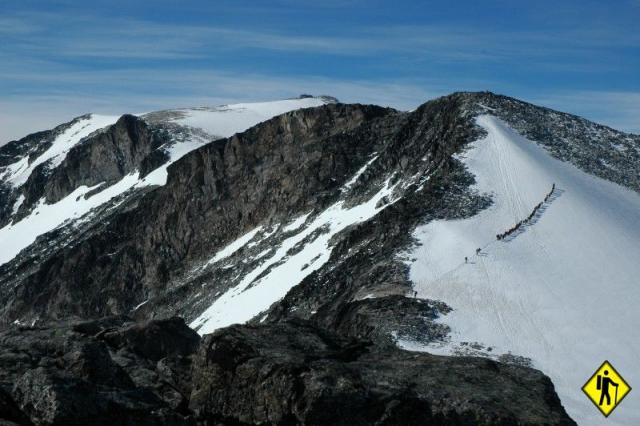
pixel 59 59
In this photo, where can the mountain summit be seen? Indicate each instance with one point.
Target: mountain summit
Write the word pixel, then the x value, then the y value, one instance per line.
pixel 459 247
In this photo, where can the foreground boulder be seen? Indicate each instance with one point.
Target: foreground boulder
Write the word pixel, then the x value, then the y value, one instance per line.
pixel 294 373
pixel 116 372
pixel 105 372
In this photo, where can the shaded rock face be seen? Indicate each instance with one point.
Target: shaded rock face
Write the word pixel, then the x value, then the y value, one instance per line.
pixel 104 372
pixel 285 165
pixel 103 158
pixel 32 146
pixel 293 373
pixel 112 371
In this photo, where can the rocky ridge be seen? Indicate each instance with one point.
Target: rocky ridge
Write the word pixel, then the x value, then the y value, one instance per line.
pixel 162 251
pixel 115 371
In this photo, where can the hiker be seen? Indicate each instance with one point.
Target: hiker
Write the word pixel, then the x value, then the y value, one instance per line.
pixel 415 294
pixel 477 251
pixel 466 260
pixel 603 385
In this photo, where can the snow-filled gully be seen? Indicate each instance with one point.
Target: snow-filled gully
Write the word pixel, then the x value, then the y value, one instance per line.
pixel 254 295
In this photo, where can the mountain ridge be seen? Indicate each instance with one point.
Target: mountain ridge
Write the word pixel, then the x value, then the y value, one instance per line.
pixel 306 216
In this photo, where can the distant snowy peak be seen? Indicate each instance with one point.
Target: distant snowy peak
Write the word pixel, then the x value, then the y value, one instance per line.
pixel 56 149
pixel 19 159
pixel 226 120
pixel 41 189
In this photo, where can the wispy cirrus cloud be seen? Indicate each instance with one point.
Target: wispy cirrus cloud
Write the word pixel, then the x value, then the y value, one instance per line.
pixel 66 61
pixel 94 36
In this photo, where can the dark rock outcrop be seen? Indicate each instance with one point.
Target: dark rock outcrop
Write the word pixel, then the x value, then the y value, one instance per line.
pixel 294 373
pixel 104 372
pixel 115 372
pixel 103 158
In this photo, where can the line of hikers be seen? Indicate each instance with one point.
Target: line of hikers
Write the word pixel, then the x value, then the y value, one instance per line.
pixel 523 222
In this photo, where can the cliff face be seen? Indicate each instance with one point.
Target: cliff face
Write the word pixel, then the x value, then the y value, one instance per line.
pixel 288 164
pixel 291 165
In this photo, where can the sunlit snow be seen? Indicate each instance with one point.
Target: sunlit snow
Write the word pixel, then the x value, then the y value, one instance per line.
pixel 226 120
pixel 565 292
pixel 283 270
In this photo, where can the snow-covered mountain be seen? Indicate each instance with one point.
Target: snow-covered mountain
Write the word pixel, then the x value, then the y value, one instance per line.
pixel 561 291
pixel 38 157
pixel 350 218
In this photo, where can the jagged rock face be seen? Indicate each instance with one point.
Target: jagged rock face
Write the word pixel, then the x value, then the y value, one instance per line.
pixel 293 373
pixel 105 372
pixel 104 158
pixel 129 145
pixel 284 167
pixel 112 371
pixel 280 167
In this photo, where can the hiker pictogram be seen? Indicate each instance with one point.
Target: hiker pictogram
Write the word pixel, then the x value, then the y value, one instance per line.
pixel 606 388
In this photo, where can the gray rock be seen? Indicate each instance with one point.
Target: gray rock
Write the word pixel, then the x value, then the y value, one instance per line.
pixel 295 373
pixel 104 372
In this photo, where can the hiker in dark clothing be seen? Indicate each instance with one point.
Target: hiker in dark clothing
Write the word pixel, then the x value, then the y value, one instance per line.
pixel 466 260
pixel 477 251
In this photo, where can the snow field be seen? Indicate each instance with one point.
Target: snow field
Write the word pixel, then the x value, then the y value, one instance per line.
pixel 564 292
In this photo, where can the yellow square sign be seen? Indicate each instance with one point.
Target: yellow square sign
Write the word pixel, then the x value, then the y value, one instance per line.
pixel 606 388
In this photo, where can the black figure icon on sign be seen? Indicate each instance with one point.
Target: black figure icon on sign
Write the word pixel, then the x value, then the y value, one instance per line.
pixel 603 386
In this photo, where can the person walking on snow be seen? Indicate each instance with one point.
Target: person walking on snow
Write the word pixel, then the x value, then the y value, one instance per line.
pixel 466 260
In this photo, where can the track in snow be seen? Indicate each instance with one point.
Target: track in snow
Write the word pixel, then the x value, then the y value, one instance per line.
pixel 565 293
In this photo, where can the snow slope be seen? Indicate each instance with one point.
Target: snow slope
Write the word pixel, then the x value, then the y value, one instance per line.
pixel 226 120
pixel 565 292
pixel 219 121
pixel 275 276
